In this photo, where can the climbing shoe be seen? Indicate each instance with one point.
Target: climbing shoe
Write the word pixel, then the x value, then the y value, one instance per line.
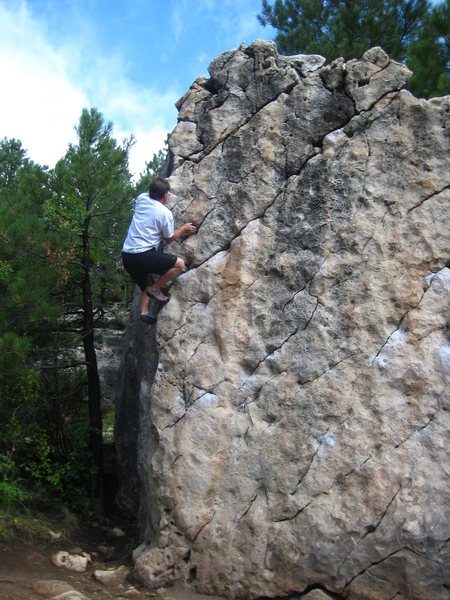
pixel 148 319
pixel 157 295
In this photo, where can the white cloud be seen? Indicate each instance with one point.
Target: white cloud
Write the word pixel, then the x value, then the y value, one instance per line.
pixel 39 103
pixel 52 66
pixel 45 87
pixel 147 144
pixel 177 18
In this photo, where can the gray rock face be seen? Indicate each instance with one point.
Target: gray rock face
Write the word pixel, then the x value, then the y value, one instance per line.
pixel 296 433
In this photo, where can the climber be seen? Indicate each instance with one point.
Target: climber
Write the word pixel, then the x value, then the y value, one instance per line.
pixel 152 223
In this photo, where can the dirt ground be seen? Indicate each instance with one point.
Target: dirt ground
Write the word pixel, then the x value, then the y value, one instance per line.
pixel 23 564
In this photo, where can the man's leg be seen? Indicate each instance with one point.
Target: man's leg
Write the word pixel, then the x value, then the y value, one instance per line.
pixel 168 276
pixel 144 302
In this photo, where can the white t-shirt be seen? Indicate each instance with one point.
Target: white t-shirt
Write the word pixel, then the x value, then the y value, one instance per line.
pixel 152 221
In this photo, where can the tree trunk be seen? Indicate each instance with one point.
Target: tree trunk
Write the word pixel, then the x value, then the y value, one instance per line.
pixel 94 394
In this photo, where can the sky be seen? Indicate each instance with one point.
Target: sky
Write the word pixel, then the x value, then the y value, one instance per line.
pixel 130 59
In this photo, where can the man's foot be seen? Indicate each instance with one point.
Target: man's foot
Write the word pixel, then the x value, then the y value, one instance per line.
pixel 148 319
pixel 157 295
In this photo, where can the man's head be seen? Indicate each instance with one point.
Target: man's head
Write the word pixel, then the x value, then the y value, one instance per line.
pixel 159 186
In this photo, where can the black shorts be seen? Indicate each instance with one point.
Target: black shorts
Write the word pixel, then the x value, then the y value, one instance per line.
pixel 143 265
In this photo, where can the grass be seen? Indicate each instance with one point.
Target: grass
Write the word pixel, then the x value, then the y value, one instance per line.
pixel 33 526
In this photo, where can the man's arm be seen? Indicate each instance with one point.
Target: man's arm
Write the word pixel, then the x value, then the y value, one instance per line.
pixel 186 229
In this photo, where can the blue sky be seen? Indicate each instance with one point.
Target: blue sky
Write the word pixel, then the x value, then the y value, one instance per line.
pixel 131 59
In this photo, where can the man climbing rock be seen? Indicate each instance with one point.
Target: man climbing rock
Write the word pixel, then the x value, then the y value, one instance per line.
pixel 153 222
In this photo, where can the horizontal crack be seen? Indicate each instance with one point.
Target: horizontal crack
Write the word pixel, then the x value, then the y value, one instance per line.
pixel 299 511
pixel 336 364
pixel 392 93
pixel 373 564
pixel 387 557
pixel 187 406
pixel 416 430
pixel 358 467
pixel 209 148
pixel 430 197
pixel 425 425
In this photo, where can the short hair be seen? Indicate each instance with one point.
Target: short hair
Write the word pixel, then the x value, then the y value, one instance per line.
pixel 158 187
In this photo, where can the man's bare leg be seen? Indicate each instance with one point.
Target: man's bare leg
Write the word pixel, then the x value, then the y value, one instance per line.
pixel 168 276
pixel 144 302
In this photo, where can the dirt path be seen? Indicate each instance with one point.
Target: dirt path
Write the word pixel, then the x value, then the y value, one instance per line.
pixel 24 564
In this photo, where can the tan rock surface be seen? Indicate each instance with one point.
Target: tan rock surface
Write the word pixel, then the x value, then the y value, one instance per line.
pixel 296 433
pixel 114 577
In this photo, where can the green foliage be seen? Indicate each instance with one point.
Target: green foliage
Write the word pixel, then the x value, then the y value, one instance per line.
pixel 92 197
pixel 54 476
pixel 20 521
pixel 59 232
pixel 429 57
pixel 23 243
pixel 12 159
pixel 11 492
pixel 14 352
pixel 43 444
pixel 408 30
pixel 28 303
pixel 108 421
pixel 335 28
pixel 90 210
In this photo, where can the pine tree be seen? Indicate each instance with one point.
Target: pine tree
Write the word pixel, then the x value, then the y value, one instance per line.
pixel 91 209
pixel 27 301
pixel 344 28
pixel 429 56
pixel 40 387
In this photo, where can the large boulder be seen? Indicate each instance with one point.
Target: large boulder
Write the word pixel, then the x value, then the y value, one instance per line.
pixel 288 421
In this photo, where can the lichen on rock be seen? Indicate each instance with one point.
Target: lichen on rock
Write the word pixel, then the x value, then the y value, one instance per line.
pixel 289 423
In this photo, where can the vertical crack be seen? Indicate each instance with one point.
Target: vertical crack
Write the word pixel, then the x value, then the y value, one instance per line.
pixel 248 507
pixel 202 528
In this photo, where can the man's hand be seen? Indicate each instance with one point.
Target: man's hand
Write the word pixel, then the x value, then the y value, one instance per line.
pixel 186 229
pixel 189 229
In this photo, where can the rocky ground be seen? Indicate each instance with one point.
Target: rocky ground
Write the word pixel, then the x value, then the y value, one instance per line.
pixel 28 572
